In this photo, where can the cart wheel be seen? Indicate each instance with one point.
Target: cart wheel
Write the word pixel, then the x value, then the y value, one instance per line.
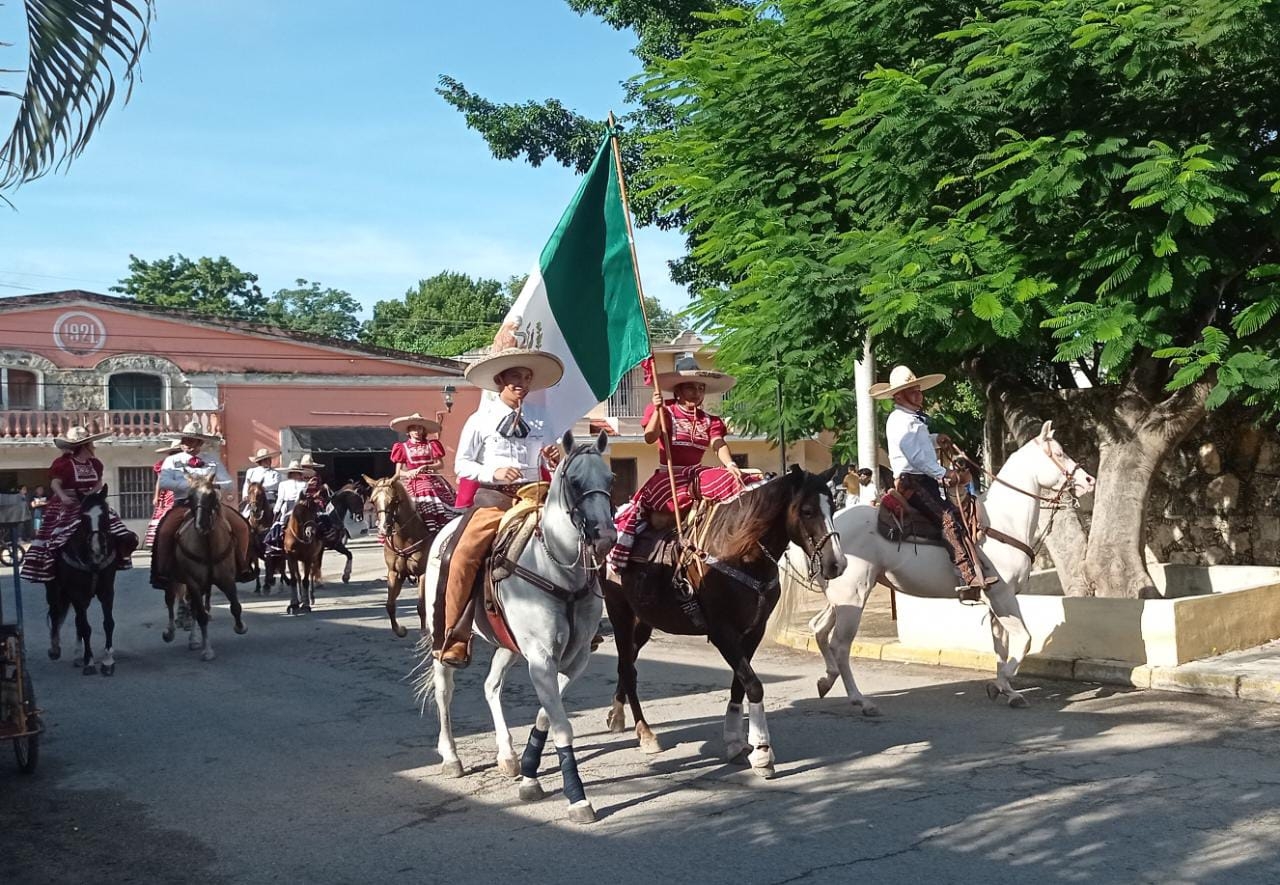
pixel 27 749
pixel 9 557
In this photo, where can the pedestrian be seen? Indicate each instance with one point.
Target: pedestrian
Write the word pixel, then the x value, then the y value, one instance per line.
pixel 27 530
pixel 38 503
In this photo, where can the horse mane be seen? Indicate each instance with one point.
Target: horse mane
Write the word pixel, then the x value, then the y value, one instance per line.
pixel 739 525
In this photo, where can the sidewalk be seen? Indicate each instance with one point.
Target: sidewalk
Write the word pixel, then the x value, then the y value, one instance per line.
pixel 1250 675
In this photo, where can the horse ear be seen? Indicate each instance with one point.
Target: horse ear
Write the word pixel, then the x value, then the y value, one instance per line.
pixel 602 442
pixel 567 441
pixel 1046 432
pixel 796 476
pixel 828 475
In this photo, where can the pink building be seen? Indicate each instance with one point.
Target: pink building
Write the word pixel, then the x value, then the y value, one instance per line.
pixel 143 372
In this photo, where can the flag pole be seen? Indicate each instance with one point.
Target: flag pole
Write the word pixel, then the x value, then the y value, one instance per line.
pixel 663 430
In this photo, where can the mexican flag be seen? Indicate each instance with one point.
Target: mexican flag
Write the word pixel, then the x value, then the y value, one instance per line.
pixel 582 301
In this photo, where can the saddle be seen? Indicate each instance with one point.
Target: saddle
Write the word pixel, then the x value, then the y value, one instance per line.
pixel 898 521
pixel 658 545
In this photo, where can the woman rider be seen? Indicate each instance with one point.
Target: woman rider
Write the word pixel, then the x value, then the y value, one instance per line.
pixel 418 460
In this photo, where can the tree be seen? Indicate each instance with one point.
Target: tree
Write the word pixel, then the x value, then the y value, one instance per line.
pixel 206 285
pixel 446 315
pixel 308 308
pixel 1046 193
pixel 70 83
pixel 663 324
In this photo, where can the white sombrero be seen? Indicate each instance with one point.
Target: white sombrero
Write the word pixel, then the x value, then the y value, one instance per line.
pixel 194 430
pixel 902 378
pixel 295 466
pixel 404 422
pixel 687 371
pixel 308 463
pixel 262 454
pixel 170 448
pixel 547 368
pixel 77 436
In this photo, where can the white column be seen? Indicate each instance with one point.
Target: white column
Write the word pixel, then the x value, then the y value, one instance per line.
pixel 864 375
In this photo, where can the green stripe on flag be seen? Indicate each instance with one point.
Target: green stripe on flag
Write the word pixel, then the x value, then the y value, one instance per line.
pixel 591 282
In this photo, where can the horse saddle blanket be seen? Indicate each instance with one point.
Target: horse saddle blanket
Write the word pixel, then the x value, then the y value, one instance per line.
pixel 658 543
pixel 898 521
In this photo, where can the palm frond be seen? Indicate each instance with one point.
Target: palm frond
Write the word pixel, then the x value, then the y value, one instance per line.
pixel 69 80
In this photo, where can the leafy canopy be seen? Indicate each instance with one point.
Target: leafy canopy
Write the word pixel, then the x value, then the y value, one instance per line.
pixel 309 308
pixel 1069 182
pixel 445 315
pixel 206 285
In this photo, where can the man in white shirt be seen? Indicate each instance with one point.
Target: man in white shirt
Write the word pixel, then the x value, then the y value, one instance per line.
pixel 176 471
pixel 291 489
pixel 263 474
pixel 919 476
pixel 504 445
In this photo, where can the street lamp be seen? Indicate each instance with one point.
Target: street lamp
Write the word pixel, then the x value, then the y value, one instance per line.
pixel 449 391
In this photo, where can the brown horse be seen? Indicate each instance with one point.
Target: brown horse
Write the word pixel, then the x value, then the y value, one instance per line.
pixel 203 558
pixel 303 548
pixel 406 543
pixel 257 511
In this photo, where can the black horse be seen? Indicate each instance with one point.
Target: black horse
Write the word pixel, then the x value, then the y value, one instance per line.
pixel 731 591
pixel 85 569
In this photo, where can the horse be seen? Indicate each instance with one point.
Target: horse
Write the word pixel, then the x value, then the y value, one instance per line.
pixel 406 540
pixel 733 592
pixel 1039 473
pixel 85 569
pixel 345 502
pixel 552 605
pixel 258 513
pixel 203 559
pixel 303 548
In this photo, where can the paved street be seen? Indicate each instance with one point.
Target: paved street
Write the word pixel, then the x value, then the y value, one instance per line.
pixel 298 756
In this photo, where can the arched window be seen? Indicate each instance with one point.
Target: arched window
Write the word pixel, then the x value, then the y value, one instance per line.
pixel 135 391
pixel 21 388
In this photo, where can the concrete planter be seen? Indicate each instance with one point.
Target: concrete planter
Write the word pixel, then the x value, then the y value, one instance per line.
pixel 1209 610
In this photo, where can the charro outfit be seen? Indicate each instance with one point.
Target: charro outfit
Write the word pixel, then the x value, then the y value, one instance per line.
pixel 267 477
pixel 61 520
pixel 496 436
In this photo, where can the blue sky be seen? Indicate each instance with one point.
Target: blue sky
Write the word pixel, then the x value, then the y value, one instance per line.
pixel 303 138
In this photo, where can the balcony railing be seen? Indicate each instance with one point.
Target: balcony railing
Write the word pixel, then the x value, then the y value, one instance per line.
pixel 124 424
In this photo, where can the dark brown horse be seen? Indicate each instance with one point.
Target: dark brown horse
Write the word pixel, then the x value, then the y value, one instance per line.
pixel 257 511
pixel 303 549
pixel 86 570
pixel 406 542
pixel 731 593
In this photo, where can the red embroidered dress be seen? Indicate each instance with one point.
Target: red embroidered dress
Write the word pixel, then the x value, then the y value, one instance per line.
pixel 164 503
pixel 432 495
pixel 61 520
pixel 693 432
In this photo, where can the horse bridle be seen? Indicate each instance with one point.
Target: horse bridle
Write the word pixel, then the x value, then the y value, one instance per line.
pixel 1067 486
pixel 573 506
pixel 386 516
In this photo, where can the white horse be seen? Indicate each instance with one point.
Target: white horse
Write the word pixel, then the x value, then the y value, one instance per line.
pixel 552 624
pixel 1038 473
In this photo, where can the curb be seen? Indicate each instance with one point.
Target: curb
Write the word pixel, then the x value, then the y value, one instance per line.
pixel 1193 678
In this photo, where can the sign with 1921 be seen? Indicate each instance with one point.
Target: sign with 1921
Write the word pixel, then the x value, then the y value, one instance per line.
pixel 79 333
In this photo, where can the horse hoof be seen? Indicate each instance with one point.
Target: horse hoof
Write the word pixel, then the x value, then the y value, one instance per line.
pixel 509 767
pixel 207 655
pixel 346 579
pixel 306 609
pixel 993 692
pixel 616 721
pixel 291 610
pixel 824 685
pixel 451 768
pixel 55 654
pixel 649 745
pixel 167 636
pixel 761 760
pixel 1018 702
pixel 107 669
pixel 531 791
pixel 400 630
pixel 241 629
pixel 736 752
pixel 582 813
pixel 869 709
pixel 89 670
pixel 765 771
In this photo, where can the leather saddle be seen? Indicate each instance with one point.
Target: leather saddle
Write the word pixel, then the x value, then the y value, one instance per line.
pixel 898 521
pixel 658 546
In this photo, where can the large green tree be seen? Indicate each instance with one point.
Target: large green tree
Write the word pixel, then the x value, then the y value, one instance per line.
pixel 1046 193
pixel 444 315
pixel 206 285
pixel 309 308
pixel 76 52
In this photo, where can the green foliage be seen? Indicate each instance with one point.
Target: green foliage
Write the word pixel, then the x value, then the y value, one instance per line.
pixel 206 285
pixel 308 308
pixel 1041 182
pixel 446 315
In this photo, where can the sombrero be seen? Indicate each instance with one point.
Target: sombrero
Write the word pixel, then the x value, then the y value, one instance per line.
pixel 403 423
pixel 194 430
pixel 900 379
pixel 308 463
pixel 169 449
pixel 687 371
pixel 77 436
pixel 547 368
pixel 262 454
pixel 295 466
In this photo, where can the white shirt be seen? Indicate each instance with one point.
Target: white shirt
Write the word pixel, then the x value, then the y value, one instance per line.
pixel 911 445
pixel 176 470
pixel 287 494
pixel 867 494
pixel 267 477
pixel 482 450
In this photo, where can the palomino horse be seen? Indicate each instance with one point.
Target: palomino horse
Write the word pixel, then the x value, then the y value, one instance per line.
pixel 406 539
pixel 85 569
pixel 303 548
pixel 735 589
pixel 257 511
pixel 1038 473
pixel 203 558
pixel 552 604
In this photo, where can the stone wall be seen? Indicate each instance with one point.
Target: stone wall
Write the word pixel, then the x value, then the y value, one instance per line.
pixel 77 389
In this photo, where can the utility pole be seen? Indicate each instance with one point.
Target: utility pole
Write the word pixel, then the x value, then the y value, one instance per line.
pixel 864 375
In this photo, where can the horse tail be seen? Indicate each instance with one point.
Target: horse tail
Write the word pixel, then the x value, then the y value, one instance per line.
pixel 422 678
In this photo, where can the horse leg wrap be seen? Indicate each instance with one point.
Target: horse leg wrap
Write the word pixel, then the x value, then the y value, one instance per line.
pixel 569 771
pixel 533 753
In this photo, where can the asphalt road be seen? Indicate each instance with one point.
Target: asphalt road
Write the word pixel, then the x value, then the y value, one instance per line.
pixel 299 756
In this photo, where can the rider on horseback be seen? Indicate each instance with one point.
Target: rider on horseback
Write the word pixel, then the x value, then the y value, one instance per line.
pixel 175 475
pixel 503 446
pixel 418 461
pixel 74 475
pixel 918 473
pixel 264 475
